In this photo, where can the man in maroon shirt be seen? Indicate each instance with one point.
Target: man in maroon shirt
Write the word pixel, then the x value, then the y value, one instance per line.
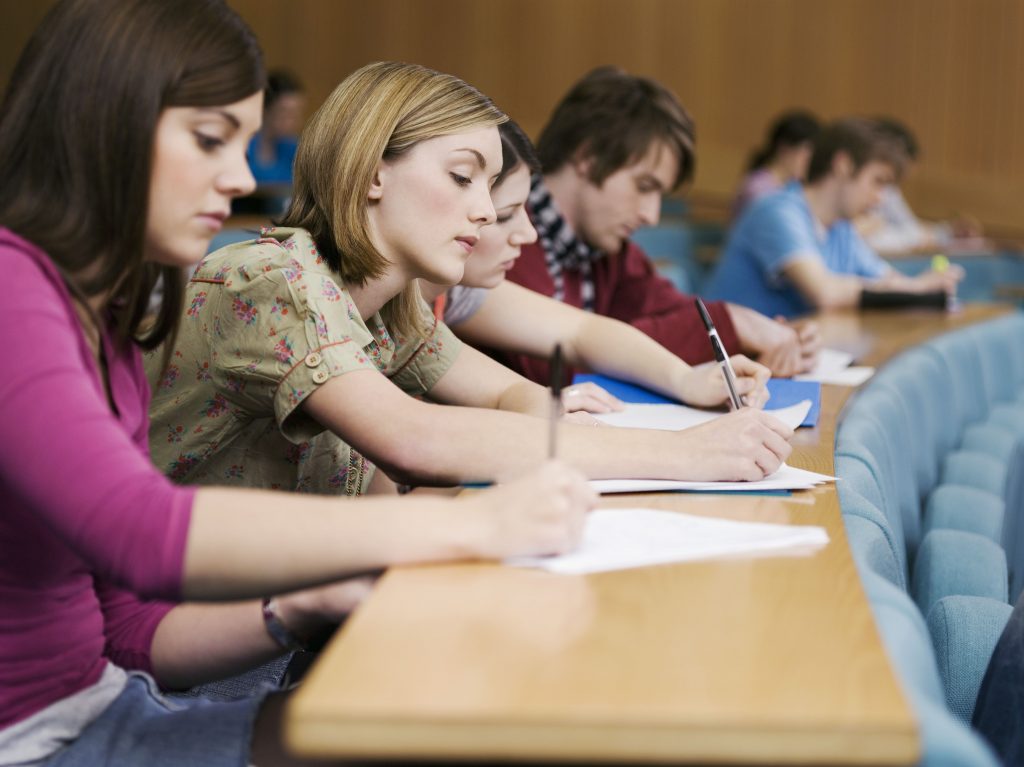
pixel 613 147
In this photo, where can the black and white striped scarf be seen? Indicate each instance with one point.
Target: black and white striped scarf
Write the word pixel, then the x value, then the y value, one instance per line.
pixel 563 250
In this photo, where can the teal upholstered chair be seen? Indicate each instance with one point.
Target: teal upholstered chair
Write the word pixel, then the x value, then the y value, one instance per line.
pixel 964 632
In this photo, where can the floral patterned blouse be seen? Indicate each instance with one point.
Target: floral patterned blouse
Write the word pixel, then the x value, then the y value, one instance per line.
pixel 266 322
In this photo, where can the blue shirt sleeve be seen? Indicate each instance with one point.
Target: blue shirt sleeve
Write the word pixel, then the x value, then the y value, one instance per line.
pixel 847 253
pixel 780 231
pixel 866 262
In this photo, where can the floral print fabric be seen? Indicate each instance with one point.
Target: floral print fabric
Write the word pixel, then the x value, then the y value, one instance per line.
pixel 266 322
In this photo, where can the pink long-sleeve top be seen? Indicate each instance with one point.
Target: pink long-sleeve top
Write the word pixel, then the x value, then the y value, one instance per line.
pixel 86 522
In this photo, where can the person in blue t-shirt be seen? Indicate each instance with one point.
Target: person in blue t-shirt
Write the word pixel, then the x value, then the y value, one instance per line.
pixel 796 250
pixel 272 150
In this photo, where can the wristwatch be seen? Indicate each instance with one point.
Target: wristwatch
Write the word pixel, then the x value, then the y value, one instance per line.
pixel 278 631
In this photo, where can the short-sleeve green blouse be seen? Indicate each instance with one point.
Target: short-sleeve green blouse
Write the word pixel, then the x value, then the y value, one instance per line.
pixel 266 322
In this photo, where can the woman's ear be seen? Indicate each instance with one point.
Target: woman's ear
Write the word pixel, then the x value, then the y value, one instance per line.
pixel 376 190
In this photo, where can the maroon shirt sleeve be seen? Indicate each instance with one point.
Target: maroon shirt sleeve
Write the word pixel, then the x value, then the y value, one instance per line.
pixel 631 290
pixel 627 288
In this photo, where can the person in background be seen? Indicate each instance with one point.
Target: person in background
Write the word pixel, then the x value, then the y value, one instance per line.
pixel 485 309
pixel 615 144
pixel 796 251
pixel 113 578
pixel 892 228
pixel 272 150
pixel 784 157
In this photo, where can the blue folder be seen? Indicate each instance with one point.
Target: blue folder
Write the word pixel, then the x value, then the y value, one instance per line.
pixel 784 391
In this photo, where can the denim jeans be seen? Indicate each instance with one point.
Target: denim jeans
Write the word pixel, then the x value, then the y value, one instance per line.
pixel 999 713
pixel 142 727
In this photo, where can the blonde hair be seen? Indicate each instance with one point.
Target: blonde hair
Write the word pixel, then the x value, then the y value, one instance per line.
pixel 378 112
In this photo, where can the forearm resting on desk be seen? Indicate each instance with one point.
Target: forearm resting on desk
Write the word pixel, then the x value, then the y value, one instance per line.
pixel 822 288
pixel 588 340
pixel 828 290
pixel 429 443
pixel 244 544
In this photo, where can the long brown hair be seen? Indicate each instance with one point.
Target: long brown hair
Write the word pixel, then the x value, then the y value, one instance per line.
pixel 516 150
pixel 378 112
pixel 77 127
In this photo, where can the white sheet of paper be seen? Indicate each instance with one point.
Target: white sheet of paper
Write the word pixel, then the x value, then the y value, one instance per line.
pixel 675 417
pixel 834 368
pixel 786 478
pixel 617 539
pixel 852 376
pixel 830 361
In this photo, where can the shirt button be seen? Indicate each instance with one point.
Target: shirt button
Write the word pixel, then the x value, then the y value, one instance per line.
pixel 321 376
pixel 313 359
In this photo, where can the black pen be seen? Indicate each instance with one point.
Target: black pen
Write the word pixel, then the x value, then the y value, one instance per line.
pixel 723 360
pixel 556 400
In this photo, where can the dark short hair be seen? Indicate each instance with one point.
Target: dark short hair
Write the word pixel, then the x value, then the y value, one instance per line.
pixel 613 118
pixel 516 150
pixel 280 82
pixel 789 129
pixel 77 127
pixel 861 140
pixel 899 131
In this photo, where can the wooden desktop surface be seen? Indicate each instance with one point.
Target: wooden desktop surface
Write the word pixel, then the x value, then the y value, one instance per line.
pixel 747 660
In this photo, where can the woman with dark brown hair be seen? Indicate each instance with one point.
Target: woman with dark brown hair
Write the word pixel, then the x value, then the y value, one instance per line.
pixel 782 158
pixel 122 139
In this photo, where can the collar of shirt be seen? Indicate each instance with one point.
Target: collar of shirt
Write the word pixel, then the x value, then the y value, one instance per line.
pixel 563 248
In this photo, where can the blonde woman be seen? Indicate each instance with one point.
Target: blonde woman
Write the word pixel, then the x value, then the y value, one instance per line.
pixel 310 348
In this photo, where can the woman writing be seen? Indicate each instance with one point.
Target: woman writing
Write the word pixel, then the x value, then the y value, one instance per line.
pixel 100 197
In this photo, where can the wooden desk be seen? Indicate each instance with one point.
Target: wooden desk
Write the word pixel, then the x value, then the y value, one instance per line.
pixel 773 660
pixel 966 247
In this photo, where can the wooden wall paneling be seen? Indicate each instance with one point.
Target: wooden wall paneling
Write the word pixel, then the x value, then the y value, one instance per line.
pixel 949 68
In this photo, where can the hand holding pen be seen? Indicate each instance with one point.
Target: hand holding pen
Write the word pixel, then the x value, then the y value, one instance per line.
pixel 704 385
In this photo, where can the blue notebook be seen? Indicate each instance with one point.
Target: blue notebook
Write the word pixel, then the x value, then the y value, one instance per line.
pixel 784 391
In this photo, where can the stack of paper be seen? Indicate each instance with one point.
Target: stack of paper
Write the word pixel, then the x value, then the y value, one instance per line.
pixel 675 417
pixel 786 478
pixel 834 368
pixel 617 539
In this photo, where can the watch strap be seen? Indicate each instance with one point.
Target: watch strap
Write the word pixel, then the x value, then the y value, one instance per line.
pixel 279 632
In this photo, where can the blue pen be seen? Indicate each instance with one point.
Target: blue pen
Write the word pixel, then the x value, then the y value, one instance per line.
pixel 722 358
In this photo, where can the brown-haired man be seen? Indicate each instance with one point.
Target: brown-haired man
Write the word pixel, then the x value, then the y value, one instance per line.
pixel 796 250
pixel 613 147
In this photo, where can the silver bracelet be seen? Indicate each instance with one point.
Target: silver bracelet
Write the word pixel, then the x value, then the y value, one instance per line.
pixel 278 631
